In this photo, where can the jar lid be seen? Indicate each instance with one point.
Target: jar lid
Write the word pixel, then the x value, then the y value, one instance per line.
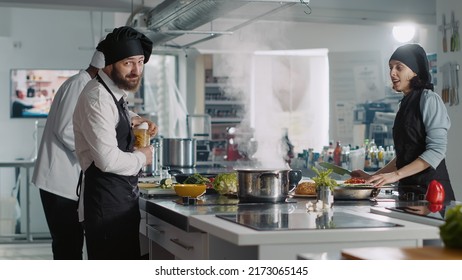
pixel 143 125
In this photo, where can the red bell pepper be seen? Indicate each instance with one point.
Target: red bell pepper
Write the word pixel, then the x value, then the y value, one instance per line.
pixel 435 192
pixel 433 207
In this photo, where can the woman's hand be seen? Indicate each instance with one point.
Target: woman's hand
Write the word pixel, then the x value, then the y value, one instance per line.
pixel 379 180
pixel 389 174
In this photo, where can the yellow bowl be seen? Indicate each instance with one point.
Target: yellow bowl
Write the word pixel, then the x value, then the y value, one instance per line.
pixel 189 190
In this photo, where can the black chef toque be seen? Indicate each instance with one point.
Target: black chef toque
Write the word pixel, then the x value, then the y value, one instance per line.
pixel 125 42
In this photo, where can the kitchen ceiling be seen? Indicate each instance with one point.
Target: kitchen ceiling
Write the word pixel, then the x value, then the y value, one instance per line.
pixel 336 11
pixel 241 13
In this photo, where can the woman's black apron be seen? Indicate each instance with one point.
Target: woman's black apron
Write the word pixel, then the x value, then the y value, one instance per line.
pixel 111 207
pixel 409 139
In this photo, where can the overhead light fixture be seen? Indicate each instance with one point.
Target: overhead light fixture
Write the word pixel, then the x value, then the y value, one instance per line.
pixel 403 33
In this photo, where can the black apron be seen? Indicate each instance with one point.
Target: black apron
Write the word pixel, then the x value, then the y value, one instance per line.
pixel 111 207
pixel 409 138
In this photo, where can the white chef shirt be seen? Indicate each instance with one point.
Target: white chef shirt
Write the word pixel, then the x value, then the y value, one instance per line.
pixel 57 168
pixel 95 120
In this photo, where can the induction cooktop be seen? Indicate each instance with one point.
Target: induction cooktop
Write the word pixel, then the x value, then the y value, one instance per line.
pixel 417 211
pixel 303 221
pixel 210 200
pixel 421 210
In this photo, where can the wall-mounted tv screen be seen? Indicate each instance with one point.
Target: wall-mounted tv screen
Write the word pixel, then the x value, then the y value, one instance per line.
pixel 33 90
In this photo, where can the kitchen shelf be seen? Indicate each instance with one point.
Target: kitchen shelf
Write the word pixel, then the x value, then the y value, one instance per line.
pixel 224 111
pixel 226 120
pixel 220 85
pixel 37 81
pixel 222 108
pixel 223 102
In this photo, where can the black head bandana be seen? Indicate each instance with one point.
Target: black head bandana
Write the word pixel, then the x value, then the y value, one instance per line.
pixel 125 42
pixel 414 56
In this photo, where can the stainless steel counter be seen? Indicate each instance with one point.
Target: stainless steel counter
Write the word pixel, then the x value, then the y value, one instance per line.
pixel 24 166
pixel 176 214
pixel 170 209
pixel 265 231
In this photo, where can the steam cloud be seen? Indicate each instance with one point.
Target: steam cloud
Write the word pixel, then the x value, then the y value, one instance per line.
pixel 279 84
pixel 261 123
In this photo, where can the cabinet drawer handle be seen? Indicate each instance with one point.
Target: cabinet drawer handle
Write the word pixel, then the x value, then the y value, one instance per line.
pixel 156 228
pixel 177 242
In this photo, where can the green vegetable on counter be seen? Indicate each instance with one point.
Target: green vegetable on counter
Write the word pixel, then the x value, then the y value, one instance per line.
pixel 197 179
pixel 323 178
pixel 226 183
pixel 166 183
pixel 451 230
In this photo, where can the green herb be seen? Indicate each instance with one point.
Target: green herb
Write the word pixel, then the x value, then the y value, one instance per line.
pixel 451 230
pixel 197 178
pixel 323 178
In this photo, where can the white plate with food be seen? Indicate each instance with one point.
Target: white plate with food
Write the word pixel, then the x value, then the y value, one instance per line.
pixel 292 194
pixel 304 190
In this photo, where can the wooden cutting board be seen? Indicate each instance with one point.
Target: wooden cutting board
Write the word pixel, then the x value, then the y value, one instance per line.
pixel 154 189
pixel 389 253
pixel 146 185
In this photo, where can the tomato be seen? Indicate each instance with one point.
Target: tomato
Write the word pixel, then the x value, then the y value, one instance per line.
pixel 210 184
pixel 355 180
pixel 435 207
pixel 435 192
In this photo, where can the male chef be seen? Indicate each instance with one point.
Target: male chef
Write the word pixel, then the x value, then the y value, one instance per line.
pixel 104 144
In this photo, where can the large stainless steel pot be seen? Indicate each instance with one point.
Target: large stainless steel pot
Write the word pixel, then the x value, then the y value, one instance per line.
pixel 266 185
pixel 179 152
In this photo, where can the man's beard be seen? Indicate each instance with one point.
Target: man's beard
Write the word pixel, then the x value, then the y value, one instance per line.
pixel 123 83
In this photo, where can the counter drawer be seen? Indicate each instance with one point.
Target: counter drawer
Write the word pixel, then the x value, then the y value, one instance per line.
pixel 182 244
pixel 143 223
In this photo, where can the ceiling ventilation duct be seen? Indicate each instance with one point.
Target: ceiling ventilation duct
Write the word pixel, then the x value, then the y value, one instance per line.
pixel 182 15
pixel 173 18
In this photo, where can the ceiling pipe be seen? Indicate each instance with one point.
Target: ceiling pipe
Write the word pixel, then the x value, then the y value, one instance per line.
pixel 173 18
pixel 181 15
pixel 239 26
